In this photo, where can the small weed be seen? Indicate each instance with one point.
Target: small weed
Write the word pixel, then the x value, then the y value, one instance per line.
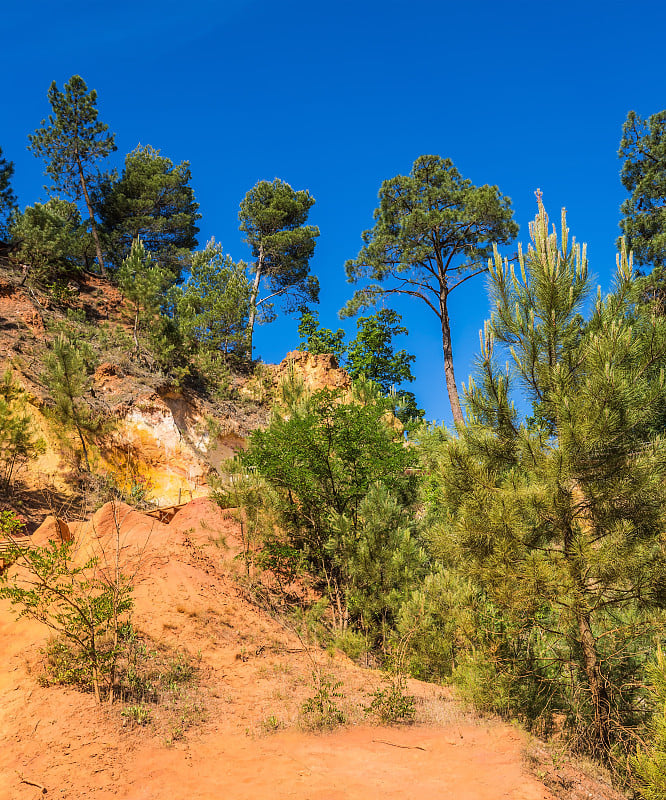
pixel 321 710
pixel 136 715
pixel 271 724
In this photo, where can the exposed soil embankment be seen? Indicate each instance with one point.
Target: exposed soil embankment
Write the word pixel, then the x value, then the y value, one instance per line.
pixel 237 732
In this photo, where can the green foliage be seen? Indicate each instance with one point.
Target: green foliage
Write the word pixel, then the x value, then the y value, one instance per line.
pixel 321 710
pixel 371 355
pixel 650 764
pixel 10 524
pixel 18 438
pixel 379 559
pixel 273 217
pixel 152 201
pixel 321 459
pixel 438 623
pixel 317 340
pixel 8 201
pixel 557 519
pixel 51 241
pixel 392 704
pixel 143 282
pixel 433 231
pixel 136 715
pixel 71 142
pixel 643 148
pixel 67 377
pixel 212 309
pixel 88 605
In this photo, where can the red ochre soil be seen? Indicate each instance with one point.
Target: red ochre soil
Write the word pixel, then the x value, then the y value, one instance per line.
pixel 253 676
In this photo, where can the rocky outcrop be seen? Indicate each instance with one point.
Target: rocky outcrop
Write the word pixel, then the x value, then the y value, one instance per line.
pixel 320 371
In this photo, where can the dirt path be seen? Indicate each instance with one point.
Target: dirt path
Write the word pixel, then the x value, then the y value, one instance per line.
pixel 470 762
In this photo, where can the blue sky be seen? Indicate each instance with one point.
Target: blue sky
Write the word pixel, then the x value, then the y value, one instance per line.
pixel 337 96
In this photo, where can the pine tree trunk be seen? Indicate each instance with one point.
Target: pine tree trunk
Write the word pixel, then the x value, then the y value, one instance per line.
pixel 93 224
pixel 83 445
pixel 588 644
pixel 451 387
pixel 253 299
pixel 598 693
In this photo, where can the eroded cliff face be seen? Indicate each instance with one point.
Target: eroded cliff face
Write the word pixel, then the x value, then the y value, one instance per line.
pixel 162 445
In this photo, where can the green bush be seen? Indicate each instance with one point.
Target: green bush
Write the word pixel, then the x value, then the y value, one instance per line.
pixel 321 709
pixel 392 704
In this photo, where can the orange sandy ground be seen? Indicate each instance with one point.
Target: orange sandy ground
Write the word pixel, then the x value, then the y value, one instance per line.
pixel 254 675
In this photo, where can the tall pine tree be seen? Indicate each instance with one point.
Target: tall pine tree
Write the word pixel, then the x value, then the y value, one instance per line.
pixel 559 517
pixel 152 200
pixel 72 141
pixel 273 217
pixel 434 230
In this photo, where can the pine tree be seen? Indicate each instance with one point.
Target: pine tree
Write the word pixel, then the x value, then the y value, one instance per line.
pixel 273 215
pixel 212 309
pixel 19 441
pixel 643 148
pixel 8 201
pixel 650 763
pixel 51 242
pixel 71 142
pixel 152 200
pixel 559 516
pixel 67 377
pixel 144 283
pixel 434 230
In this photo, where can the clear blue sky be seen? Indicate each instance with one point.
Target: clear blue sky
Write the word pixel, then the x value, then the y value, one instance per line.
pixel 337 96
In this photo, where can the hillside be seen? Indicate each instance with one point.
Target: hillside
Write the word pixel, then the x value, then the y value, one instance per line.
pixel 236 725
pixel 161 440
pixel 218 676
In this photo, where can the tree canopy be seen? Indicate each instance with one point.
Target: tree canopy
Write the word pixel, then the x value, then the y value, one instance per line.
pixel 212 308
pixel 152 200
pixel 72 141
pixel 8 201
pixel 433 231
pixel 273 217
pixel 643 148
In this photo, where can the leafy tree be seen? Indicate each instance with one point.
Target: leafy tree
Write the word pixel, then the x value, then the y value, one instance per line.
pixel 273 217
pixel 66 375
pixel 8 201
pixel 87 604
pixel 18 438
pixel 559 518
pixel 152 200
pixel 71 142
pixel 434 230
pixel 371 355
pixel 643 148
pixel 212 308
pixel 51 242
pixel 321 459
pixel 318 340
pixel 144 283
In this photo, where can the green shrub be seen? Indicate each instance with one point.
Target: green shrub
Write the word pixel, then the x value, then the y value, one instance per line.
pixel 321 710
pixel 392 704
